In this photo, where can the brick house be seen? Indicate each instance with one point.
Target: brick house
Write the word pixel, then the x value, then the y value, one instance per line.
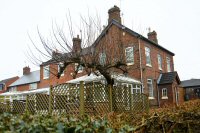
pixel 29 81
pixel 149 62
pixel 6 82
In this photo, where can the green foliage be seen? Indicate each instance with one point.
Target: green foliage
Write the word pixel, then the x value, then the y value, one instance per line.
pixel 184 119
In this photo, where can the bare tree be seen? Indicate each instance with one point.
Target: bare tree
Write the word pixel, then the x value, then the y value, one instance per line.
pixel 97 50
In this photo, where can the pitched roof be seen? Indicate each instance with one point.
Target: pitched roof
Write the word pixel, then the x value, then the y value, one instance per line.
pixel 166 78
pixel 26 79
pixel 132 33
pixel 190 83
pixel 6 80
pixel 113 22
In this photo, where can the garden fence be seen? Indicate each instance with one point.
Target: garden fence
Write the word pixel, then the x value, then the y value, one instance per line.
pixel 70 99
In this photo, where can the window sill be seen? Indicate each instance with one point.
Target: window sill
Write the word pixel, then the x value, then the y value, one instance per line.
pixel 45 77
pixel 148 65
pixel 164 98
pixel 151 98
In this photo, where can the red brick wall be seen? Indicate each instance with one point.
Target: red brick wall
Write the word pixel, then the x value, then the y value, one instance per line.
pixel 25 87
pixel 170 94
pixel 53 80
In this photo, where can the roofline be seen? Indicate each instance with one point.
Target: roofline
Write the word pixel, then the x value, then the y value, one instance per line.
pixel 24 84
pixel 127 30
pixel 132 33
pixel 190 86
pixel 175 77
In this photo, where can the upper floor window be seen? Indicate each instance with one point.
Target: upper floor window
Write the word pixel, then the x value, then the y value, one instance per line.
pixel 168 64
pixel 150 88
pixel 159 62
pixel 46 72
pixel 33 86
pixel 1 87
pixel 129 55
pixel 79 69
pixel 164 93
pixel 102 58
pixel 59 66
pixel 148 56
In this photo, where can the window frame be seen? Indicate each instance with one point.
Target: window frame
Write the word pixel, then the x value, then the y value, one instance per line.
pixel 31 86
pixel 148 56
pixel 80 68
pixel 102 58
pixel 46 69
pixel 168 61
pixel 137 89
pixel 1 87
pixel 151 94
pixel 159 61
pixel 63 73
pixel 164 93
pixel 13 89
pixel 129 59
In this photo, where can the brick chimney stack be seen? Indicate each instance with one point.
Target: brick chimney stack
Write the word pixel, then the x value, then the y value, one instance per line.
pixel 152 36
pixel 76 44
pixel 26 70
pixel 114 13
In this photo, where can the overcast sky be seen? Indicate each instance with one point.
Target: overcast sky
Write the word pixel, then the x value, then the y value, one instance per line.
pixel 177 23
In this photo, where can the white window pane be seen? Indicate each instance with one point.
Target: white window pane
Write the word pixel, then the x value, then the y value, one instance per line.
pixel 168 64
pixel 150 87
pixel 164 92
pixel 102 58
pixel 33 86
pixel 159 62
pixel 46 72
pixel 129 55
pixel 148 56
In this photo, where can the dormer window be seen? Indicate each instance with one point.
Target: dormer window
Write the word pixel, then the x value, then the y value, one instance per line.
pixel 129 55
pixel 46 72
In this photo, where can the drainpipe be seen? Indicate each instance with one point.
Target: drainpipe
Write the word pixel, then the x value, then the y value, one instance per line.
pixel 141 74
pixel 158 81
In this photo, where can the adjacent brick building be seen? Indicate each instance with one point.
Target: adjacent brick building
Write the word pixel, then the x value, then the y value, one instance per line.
pixel 148 63
pixel 29 81
pixel 4 84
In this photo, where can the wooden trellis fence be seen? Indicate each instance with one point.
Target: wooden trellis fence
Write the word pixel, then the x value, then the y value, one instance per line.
pixel 91 98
